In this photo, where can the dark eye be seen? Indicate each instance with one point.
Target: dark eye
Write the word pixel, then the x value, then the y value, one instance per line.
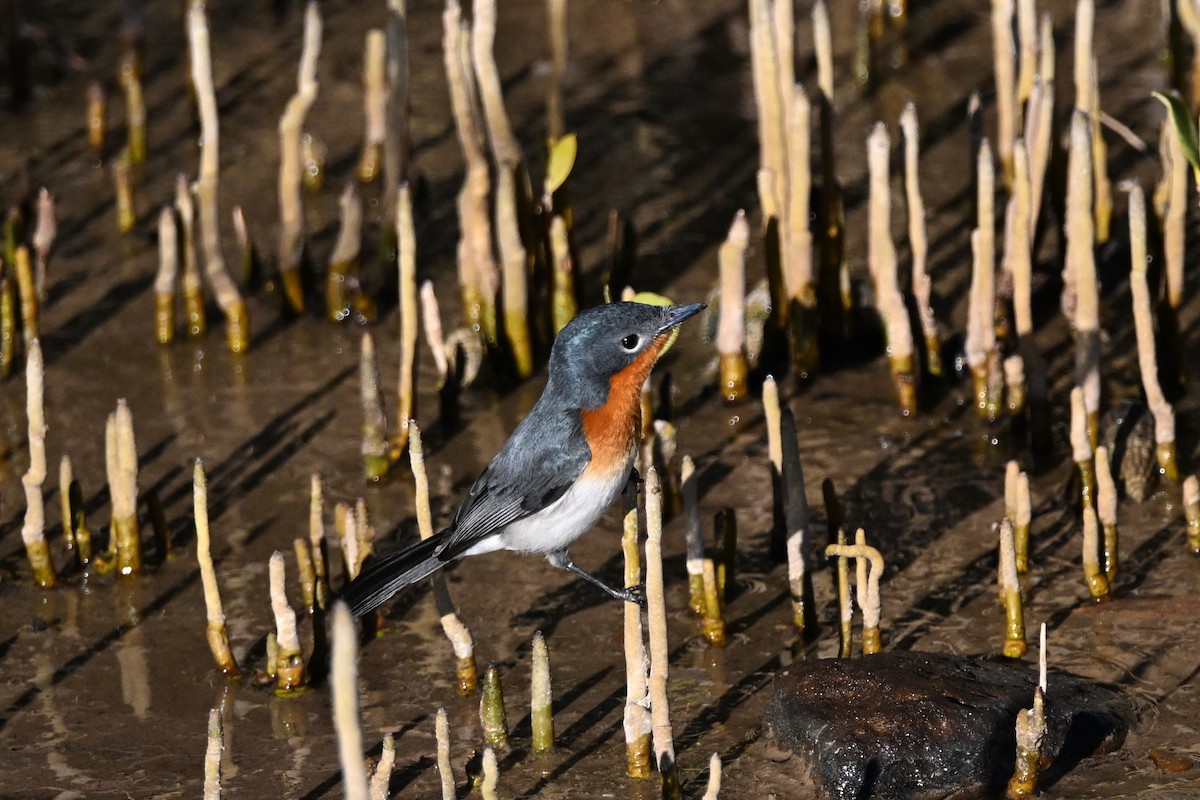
pixel 631 342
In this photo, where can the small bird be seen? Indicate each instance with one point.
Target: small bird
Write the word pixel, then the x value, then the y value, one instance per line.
pixel 563 465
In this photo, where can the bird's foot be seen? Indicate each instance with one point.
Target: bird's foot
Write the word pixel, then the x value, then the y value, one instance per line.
pixel 632 594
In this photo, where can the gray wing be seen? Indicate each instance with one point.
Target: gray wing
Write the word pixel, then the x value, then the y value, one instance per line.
pixel 536 466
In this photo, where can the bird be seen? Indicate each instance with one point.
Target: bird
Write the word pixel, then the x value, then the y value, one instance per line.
pixel 563 465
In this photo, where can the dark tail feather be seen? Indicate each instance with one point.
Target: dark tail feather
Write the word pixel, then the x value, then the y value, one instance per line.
pixel 386 576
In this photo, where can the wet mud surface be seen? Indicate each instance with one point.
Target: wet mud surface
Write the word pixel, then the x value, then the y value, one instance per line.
pixel 105 685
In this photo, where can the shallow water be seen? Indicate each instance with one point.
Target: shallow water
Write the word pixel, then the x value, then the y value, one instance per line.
pixel 105 685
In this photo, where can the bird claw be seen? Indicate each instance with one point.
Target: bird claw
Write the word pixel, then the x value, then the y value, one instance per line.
pixel 635 594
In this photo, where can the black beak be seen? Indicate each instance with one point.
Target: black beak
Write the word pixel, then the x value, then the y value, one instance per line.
pixel 677 314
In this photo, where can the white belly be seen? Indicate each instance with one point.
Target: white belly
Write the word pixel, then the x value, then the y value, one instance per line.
pixel 556 526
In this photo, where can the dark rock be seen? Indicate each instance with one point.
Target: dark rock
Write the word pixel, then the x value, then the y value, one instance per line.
pixel 919 725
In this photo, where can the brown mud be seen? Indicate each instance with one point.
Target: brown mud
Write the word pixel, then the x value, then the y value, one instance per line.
pixel 105 685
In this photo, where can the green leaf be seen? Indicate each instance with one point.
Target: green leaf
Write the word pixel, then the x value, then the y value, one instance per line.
pixel 1185 128
pixel 562 159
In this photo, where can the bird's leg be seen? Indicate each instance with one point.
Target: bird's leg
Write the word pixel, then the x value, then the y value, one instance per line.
pixel 633 594
pixel 633 484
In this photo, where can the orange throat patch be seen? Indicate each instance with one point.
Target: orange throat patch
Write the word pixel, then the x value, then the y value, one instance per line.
pixel 612 430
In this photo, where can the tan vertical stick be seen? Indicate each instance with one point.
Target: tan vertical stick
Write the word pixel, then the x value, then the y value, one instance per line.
pixel 1191 510
pixel 1175 172
pixel 374 431
pixel 291 161
pixel 218 634
pixel 374 105
pixel 212 755
pixel 164 281
pixel 1102 204
pixel 344 261
pixel 1010 585
pixel 557 17
pixel 1040 124
pixel 445 769
pixel 237 322
pixel 97 116
pixel 466 671
pixel 713 624
pixel 768 96
pixel 126 206
pixel 871 606
pixel 922 286
pixel 1017 250
pixel 344 678
pixel 193 288
pixel 845 604
pixel 27 289
pixel 491 775
pixel 1106 510
pixel 1081 267
pixel 1093 573
pixel 1139 290
pixel 507 153
pixel 383 772
pixel 637 721
pixel 44 233
pixel 833 265
pixel 713 788
pixel 980 323
pixel 1081 447
pixel 1012 472
pixel 122 482
pixel 1021 524
pixel 731 322
pixel 881 257
pixel 492 716
pixel 563 306
pixel 409 322
pixel 1027 49
pixel 541 698
pixel 1003 54
pixel 33 529
pixel 316 537
pixel 800 277
pixel 66 476
pixel 290 670
pixel 660 711
pixel 1085 18
pixel 478 276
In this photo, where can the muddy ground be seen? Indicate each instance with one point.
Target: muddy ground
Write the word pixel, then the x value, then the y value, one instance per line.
pixel 105 685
